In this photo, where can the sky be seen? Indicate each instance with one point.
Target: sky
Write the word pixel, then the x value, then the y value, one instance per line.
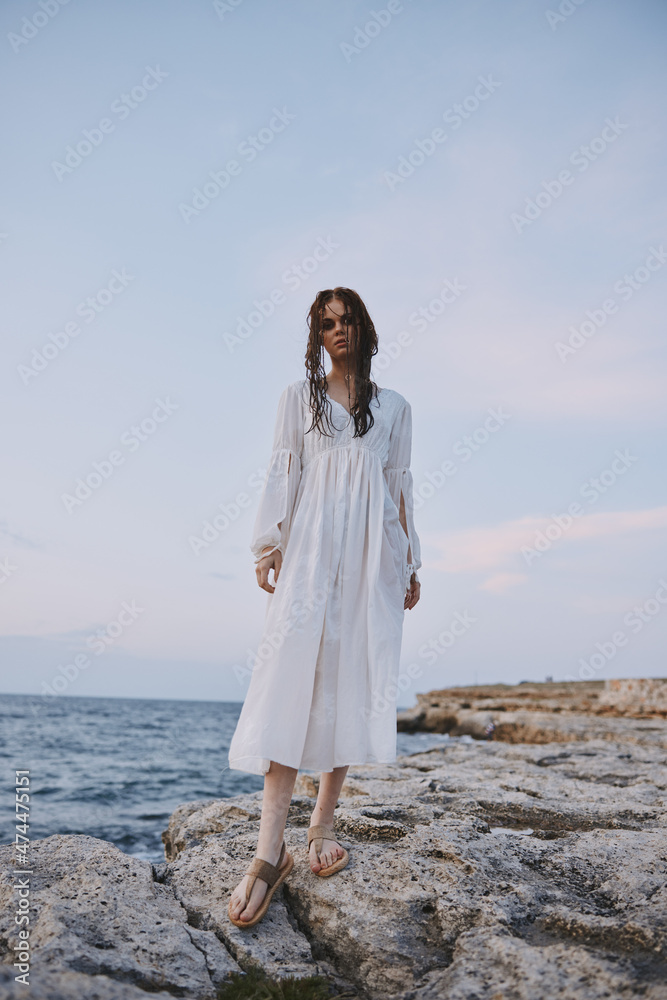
pixel 181 179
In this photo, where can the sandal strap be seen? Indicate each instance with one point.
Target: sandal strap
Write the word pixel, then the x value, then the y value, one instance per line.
pixel 320 832
pixel 259 868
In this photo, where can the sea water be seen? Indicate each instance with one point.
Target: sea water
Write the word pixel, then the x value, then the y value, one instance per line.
pixel 116 768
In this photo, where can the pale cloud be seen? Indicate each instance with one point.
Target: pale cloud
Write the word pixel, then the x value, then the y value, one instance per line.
pixel 500 583
pixel 489 548
pixel 480 549
pixel 617 522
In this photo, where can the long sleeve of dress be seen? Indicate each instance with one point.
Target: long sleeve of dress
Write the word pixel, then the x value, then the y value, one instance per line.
pixel 276 504
pixel 399 480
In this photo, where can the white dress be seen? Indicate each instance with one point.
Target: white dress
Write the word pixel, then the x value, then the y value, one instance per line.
pixel 323 687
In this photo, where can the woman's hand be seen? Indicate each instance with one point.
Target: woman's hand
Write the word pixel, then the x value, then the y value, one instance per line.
pixel 273 560
pixel 412 593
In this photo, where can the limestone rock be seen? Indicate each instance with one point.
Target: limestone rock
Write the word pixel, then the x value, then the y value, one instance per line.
pixel 478 869
pixel 50 984
pixel 193 821
pixel 189 827
pixel 98 912
pixel 647 696
pixel 202 879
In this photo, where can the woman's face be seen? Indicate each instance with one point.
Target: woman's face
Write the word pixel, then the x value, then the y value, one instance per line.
pixel 337 328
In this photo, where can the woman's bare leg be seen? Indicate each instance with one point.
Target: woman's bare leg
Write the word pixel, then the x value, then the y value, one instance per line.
pixel 278 787
pixel 331 783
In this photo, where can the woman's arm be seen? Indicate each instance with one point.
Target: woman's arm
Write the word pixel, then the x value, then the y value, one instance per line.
pixel 276 506
pixel 399 479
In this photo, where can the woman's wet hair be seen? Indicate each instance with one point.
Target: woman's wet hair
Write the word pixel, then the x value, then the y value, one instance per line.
pixel 362 388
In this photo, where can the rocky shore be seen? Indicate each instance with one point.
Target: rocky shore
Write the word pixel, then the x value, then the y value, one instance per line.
pixel 537 713
pixel 479 869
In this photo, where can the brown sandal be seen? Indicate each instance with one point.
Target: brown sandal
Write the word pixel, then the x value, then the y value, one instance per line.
pixel 273 875
pixel 321 833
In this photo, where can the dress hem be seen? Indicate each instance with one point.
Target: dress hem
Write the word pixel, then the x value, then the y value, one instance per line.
pixel 257 768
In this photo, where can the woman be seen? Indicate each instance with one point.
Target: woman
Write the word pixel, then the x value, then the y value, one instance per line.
pixel 335 523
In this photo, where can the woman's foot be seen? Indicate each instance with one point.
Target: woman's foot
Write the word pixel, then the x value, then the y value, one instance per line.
pixel 330 853
pixel 239 909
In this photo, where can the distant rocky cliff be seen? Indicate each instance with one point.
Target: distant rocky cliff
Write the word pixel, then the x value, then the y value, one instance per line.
pixel 536 713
